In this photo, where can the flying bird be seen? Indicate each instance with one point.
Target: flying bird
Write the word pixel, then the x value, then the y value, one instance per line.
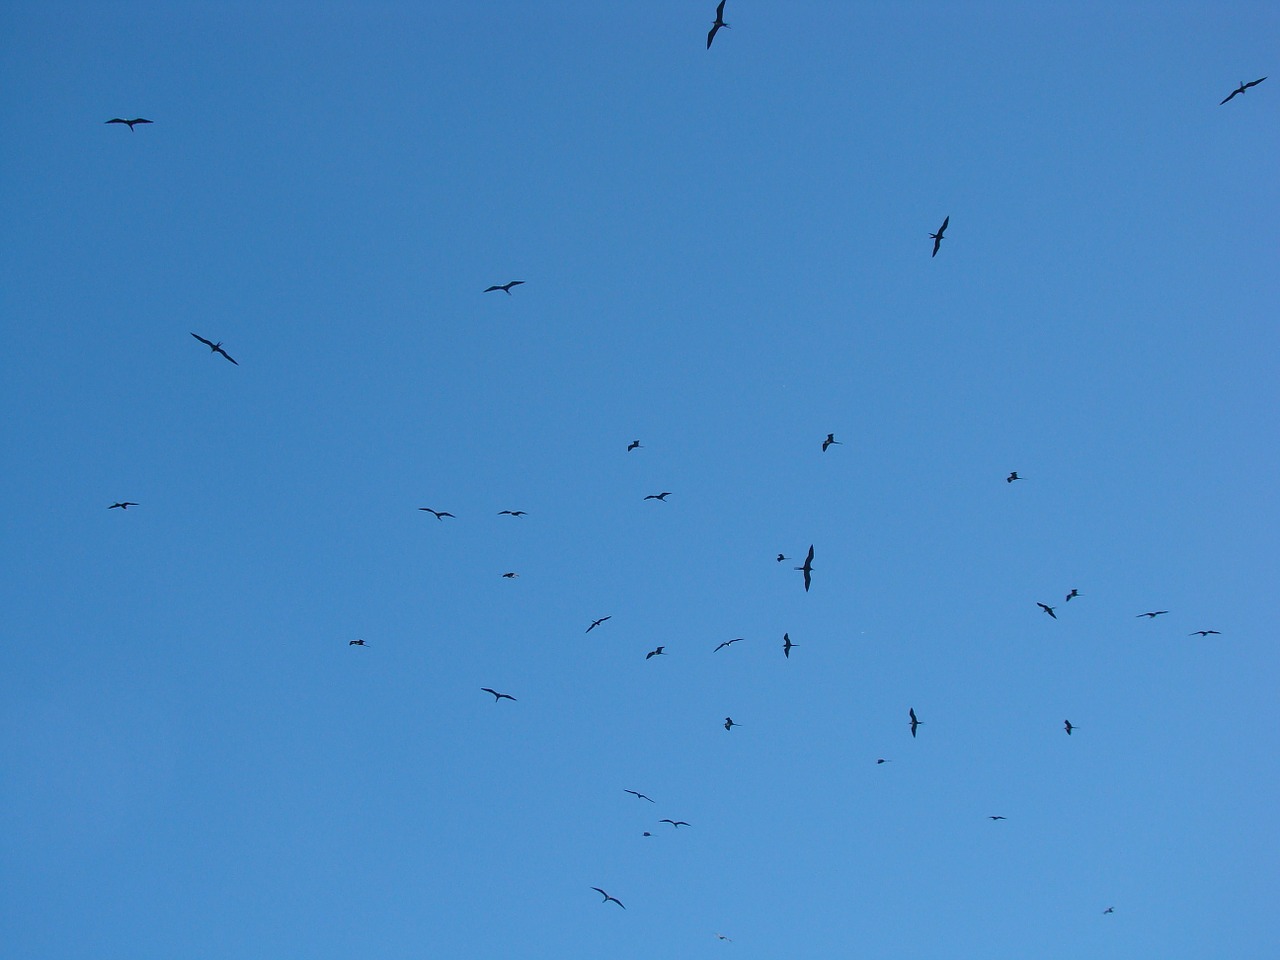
pixel 1012 477
pixel 721 936
pixel 504 287
pixel 677 823
pixel 143 120
pixel 1113 909
pixel 356 643
pixel 937 237
pixel 729 724
pixel 726 643
pixel 1074 593
pixel 633 445
pixel 498 696
pixel 596 623
pixel 715 27
pixel 215 347
pixel 1068 726
pixel 510 576
pixel 512 513
pixel 997 818
pixel 1151 614
pixel 635 793
pixel 438 514
pixel 831 438
pixel 807 568
pixel 787 645
pixel 607 898
pixel 659 496
pixel 123 505
pixel 1205 633
pixel 781 558
pixel 658 652
pixel 1047 609
pixel 1240 89
pixel 914 722
pixel 880 760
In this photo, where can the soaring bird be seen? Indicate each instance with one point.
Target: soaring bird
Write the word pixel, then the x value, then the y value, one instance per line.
pixel 142 120
pixel 123 505
pixel 656 652
pixel 781 558
pixel 510 575
pixel 356 643
pixel 787 645
pixel 880 760
pixel 807 569
pixel 1074 593
pixel 1113 909
pixel 721 936
pixel 596 623
pixel 1151 614
pixel 438 514
pixel 997 818
pixel 715 27
pixel 831 438
pixel 636 793
pixel 215 347
pixel 729 724
pixel 1205 633
pixel 1047 609
pixel 937 237
pixel 504 287
pixel 659 496
pixel 1068 726
pixel 512 513
pixel 1012 477
pixel 607 898
pixel 498 696
pixel 1240 89
pixel 633 445
pixel 726 643
pixel 677 823
pixel 914 722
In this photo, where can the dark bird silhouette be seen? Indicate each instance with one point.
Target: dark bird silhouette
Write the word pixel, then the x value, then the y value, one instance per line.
pixel 512 513
pixel 1012 477
pixel 1047 609
pixel 510 576
pixel 997 818
pixel 438 514
pixel 607 898
pixel 781 558
pixel 880 760
pixel 1068 726
pixel 831 438
pixel 721 936
pixel 1108 910
pixel 787 645
pixel 356 643
pixel 215 347
pixel 729 724
pixel 677 823
pixel 635 793
pixel 142 120
pixel 659 496
pixel 596 623
pixel 911 712
pixel 504 287
pixel 633 445
pixel 1151 614
pixel 657 652
pixel 1240 89
pixel 726 643
pixel 937 237
pixel 807 569
pixel 1204 633
pixel 715 27
pixel 1073 594
pixel 646 834
pixel 498 696
pixel 123 505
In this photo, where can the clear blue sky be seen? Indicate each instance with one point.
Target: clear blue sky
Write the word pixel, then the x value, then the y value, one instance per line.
pixel 726 256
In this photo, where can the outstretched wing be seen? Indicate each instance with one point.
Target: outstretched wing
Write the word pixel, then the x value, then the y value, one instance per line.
pixel 225 354
pixel 1254 83
pixel 1230 96
pixel 207 343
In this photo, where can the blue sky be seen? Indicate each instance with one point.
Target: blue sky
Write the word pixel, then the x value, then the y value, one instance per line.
pixel 726 256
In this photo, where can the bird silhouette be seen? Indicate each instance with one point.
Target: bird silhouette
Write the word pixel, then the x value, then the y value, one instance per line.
pixel 1108 910
pixel 729 724
pixel 715 27
pixel 1240 89
pixel 1047 609
pixel 510 576
pixel 1068 726
pixel 807 569
pixel 142 120
pixel 1012 477
pixel 512 513
pixel 880 760
pixel 914 722
pixel 438 514
pixel 504 287
pixel 356 643
pixel 635 793
pixel 997 818
pixel 1204 633
pixel 787 645
pixel 831 438
pixel 1151 614
pixel 937 237
pixel 677 823
pixel 215 347
pixel 721 936
pixel 498 696
pixel 596 623
pixel 781 558
pixel 657 652
pixel 1072 595
pixel 123 505
pixel 659 496
pixel 726 643
pixel 607 898
pixel 633 445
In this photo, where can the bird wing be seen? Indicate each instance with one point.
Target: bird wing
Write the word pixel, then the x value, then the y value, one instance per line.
pixel 1254 83
pixel 514 283
pixel 490 690
pixel 116 120
pixel 943 229
pixel 207 343
pixel 143 120
pixel 225 354
pixel 1229 96
pixel 809 559
pixel 807 579
pixel 712 35
pixel 937 245
pixel 720 10
pixel 912 713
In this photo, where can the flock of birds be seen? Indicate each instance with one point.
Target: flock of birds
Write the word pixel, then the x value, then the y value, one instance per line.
pixel 806 568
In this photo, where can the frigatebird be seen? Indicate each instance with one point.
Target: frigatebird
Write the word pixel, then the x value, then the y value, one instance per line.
pixel 510 576
pixel 1205 633
pixel 787 645
pixel 914 722
pixel 1108 910
pixel 656 652
pixel 659 496
pixel 142 120
pixel 498 696
pixel 807 569
pixel 356 643
pixel 721 936
pixel 1151 614
pixel 781 558
pixel 937 237
pixel 1074 593
pixel 715 27
pixel 1068 726
pixel 123 505
pixel 997 818
pixel 607 898
pixel 1240 89
pixel 1012 477
pixel 504 287
pixel 726 643
pixel 729 724
pixel 677 823
pixel 636 793
pixel 512 513
pixel 633 445
pixel 1047 609
pixel 438 514
pixel 596 623
pixel 215 347
pixel 831 438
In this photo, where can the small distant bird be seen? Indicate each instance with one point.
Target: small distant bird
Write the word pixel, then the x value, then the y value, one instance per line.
pixel 356 643
pixel 659 496
pixel 729 724
pixel 143 120
pixel 1240 89
pixel 880 760
pixel 937 237
pixel 1012 477
pixel 438 514
pixel 1047 609
pixel 914 722
pixel 504 287
pixel 726 643
pixel 1068 726
pixel 123 505
pixel 498 696
pixel 781 558
pixel 215 347
pixel 807 568
pixel 633 445
pixel 510 576
pixel 1151 614
pixel 715 27
pixel 1205 633
pixel 640 795
pixel 721 936
pixel 997 818
pixel 646 834
pixel 677 823
pixel 1113 909
pixel 1074 593
pixel 512 513
pixel 657 652
pixel 831 438
pixel 596 623
pixel 607 898
pixel 787 645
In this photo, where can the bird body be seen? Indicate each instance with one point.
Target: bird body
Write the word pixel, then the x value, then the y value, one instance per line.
pixel 1204 633
pixel 596 623
pixel 659 496
pixel 1152 614
pixel 1068 726
pixel 831 438
pixel 937 237
pixel 504 287
pixel 635 793
pixel 607 898
pixel 633 445
pixel 997 818
pixel 807 569
pixel 657 652
pixel 438 514
pixel 781 558
pixel 787 645
pixel 677 823
pixel 356 643
pixel 1047 609
pixel 123 505
pixel 510 575
pixel 729 724
pixel 715 27
pixel 215 347
pixel 1012 477
pixel 143 120
pixel 498 696
pixel 1073 594
pixel 512 513
pixel 726 643
pixel 1238 90
pixel 911 712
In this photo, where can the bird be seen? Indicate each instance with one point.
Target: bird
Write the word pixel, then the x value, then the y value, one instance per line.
pixel 1151 614
pixel 635 793
pixel 1074 593
pixel 512 513
pixel 596 623
pixel 1204 633
pixel 510 576
pixel 633 445
pixel 504 287
pixel 646 834
pixel 715 27
pixel 1012 477
pixel 1068 726
pixel 1240 89
pixel 144 120
pixel 721 936
pixel 123 505
pixel 880 760
pixel 498 696
pixel 726 643
pixel 1047 609
pixel 787 645
pixel 997 818
pixel 781 558
pixel 215 347
pixel 1113 909
pixel 356 643
pixel 807 568
pixel 937 237
pixel 729 724
pixel 607 898
pixel 914 722
pixel 438 514
pixel 659 496
pixel 657 652
pixel 831 438
pixel 677 823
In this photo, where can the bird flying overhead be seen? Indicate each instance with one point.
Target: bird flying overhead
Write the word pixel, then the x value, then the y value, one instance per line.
pixel 1108 910
pixel 123 505
pixel 677 823
pixel 640 795
pixel 807 569
pixel 215 347
pixel 596 623
pixel 787 645
pixel 726 643
pixel 438 514
pixel 142 120
pixel 633 445
pixel 356 643
pixel 1240 89
pixel 1204 633
pixel 911 712
pixel 1074 593
pixel 1152 614
pixel 510 575
pixel 607 898
pixel 657 652
pixel 997 818
pixel 729 724
pixel 512 513
pixel 831 438
pixel 504 287
pixel 781 558
pixel 721 936
pixel 880 760
pixel 1047 609
pixel 715 27
pixel 498 696
pixel 659 496
pixel 1068 726
pixel 937 237
pixel 1012 477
